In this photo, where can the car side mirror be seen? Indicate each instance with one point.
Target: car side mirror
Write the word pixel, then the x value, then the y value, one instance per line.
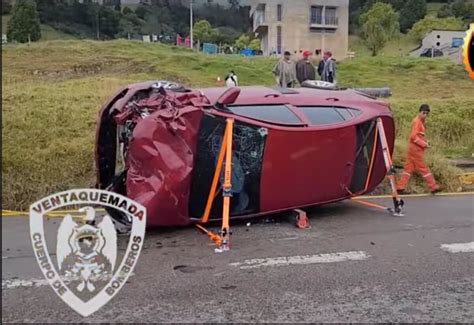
pixel 228 97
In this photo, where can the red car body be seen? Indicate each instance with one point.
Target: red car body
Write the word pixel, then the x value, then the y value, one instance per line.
pixel 292 148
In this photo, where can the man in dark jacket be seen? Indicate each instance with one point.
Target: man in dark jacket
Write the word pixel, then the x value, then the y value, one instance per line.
pixel 305 69
pixel 321 68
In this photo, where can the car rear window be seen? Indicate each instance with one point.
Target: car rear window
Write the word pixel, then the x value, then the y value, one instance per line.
pixel 323 115
pixel 279 114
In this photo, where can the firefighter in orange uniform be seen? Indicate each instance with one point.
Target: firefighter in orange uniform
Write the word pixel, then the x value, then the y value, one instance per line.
pixel 416 154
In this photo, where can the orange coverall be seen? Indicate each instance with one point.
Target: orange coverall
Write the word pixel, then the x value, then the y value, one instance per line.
pixel 416 157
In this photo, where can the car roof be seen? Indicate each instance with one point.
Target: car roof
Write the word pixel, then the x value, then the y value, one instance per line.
pixel 262 95
pixel 267 95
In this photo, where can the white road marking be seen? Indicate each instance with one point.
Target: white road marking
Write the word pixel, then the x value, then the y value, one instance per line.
pixel 308 259
pixel 459 247
pixel 19 283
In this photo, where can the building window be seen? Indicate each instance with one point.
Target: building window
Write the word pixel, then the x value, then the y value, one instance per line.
pixel 330 17
pixel 279 41
pixel 279 12
pixel 317 15
pixel 322 30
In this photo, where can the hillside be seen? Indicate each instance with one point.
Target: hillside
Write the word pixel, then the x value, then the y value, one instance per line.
pixel 52 92
pixel 48 33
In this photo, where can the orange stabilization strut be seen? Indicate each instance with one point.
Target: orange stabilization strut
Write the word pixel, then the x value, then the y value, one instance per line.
pixel 223 240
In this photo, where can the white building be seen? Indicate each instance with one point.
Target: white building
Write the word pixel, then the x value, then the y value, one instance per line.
pixel 447 41
pixel 298 25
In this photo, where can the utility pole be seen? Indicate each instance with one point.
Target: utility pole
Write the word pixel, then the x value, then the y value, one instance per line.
pixel 191 23
pixel 98 27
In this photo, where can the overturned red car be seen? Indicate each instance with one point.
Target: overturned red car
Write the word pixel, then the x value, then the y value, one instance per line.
pixel 159 144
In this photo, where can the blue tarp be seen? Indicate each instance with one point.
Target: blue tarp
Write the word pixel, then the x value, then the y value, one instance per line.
pixel 247 52
pixel 457 42
pixel 209 48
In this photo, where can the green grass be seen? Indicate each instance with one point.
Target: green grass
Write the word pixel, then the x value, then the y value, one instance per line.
pixel 48 33
pixel 53 90
pixel 400 47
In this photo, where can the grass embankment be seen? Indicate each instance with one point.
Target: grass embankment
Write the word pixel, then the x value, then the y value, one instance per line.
pixel 52 92
pixel 402 46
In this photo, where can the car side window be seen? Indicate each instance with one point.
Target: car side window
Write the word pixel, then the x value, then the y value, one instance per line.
pixel 279 114
pixel 323 115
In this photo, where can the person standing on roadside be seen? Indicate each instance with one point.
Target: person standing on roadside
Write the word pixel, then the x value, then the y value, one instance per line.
pixel 329 70
pixel 285 71
pixel 305 69
pixel 415 160
pixel 231 80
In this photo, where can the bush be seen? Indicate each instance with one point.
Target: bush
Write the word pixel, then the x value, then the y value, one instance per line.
pixel 424 26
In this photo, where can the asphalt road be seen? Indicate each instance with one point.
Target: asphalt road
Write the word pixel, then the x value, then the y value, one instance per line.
pixel 355 264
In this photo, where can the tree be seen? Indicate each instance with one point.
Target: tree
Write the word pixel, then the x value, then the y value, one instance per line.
pixel 426 25
pixel 379 25
pixel 355 9
pixel 460 9
pixel 127 11
pixel 255 44
pixel 219 16
pixel 24 24
pixel 242 42
pixel 412 11
pixel 359 7
pixel 203 32
pixel 109 20
pixel 227 35
pixel 445 11
pixel 142 11
pixel 464 10
pixel 6 7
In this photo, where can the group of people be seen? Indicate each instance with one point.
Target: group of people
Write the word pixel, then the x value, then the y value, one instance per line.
pixel 289 73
